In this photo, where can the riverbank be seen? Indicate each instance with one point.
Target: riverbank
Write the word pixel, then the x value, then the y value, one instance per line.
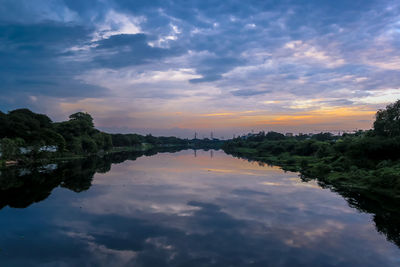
pixel 48 157
pixel 364 161
pixel 333 170
pixel 53 157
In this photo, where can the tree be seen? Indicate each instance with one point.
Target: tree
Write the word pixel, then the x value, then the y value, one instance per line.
pixel 50 137
pixel 4 125
pixel 107 141
pixel 322 136
pixel 82 116
pixel 120 140
pixel 89 145
pixel 387 122
pixel 151 139
pixel 274 136
pixel 9 149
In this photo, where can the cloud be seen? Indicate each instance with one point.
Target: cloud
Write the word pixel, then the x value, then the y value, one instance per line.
pixel 249 92
pixel 25 11
pixel 303 51
pixel 204 56
pixel 212 68
pixel 115 23
pixel 125 50
pixel 31 60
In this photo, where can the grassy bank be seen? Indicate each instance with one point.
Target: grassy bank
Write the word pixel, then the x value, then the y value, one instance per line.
pixel 334 169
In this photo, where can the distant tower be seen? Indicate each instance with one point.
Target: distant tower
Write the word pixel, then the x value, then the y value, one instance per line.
pixel 195 135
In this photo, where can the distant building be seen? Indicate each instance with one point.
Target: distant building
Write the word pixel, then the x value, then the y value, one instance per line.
pixel 48 148
pixel 289 134
pixel 25 150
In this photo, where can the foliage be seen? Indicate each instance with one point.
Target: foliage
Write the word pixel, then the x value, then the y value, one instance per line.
pixel 387 121
pixel 120 140
pixel 75 136
pixel 9 148
pixel 366 159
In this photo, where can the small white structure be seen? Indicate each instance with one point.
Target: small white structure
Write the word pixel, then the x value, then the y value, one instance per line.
pixel 48 149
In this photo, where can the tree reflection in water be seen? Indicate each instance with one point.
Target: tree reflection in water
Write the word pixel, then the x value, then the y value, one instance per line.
pixel 21 187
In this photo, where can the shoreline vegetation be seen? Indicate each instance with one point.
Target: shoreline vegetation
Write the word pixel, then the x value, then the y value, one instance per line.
pixel 365 161
pixel 363 167
pixel 30 138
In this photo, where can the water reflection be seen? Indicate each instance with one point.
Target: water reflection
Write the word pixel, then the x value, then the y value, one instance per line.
pixel 20 187
pixel 187 209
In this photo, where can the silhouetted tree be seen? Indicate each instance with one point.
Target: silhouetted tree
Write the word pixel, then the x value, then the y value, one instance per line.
pixel 387 121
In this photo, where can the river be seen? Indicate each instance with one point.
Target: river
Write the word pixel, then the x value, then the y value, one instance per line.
pixel 189 208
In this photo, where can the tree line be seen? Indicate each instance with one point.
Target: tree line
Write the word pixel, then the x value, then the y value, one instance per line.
pixel 25 134
pixel 368 160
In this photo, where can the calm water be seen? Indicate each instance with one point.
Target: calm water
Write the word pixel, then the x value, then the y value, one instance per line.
pixel 182 209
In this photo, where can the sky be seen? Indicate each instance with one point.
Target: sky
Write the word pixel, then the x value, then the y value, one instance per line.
pixel 178 67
